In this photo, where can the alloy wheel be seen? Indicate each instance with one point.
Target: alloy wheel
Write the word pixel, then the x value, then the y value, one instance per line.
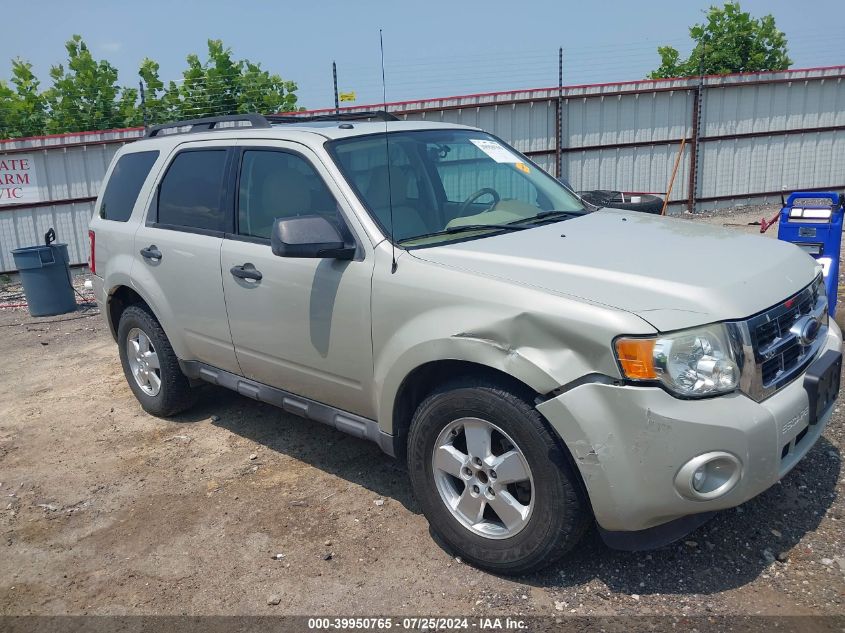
pixel 143 361
pixel 483 478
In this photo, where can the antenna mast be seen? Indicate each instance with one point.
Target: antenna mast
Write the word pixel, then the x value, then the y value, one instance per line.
pixel 387 157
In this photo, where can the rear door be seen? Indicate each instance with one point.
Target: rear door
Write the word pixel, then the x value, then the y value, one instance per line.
pixel 124 192
pixel 305 325
pixel 177 252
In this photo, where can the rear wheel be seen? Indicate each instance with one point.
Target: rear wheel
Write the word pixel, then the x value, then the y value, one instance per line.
pixel 150 364
pixel 491 478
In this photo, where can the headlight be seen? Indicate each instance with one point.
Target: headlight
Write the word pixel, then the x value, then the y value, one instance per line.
pixel 695 362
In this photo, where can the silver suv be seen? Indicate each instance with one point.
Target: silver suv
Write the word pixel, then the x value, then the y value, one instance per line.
pixel 536 364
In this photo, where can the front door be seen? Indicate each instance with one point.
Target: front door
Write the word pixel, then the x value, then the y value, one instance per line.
pixel 304 326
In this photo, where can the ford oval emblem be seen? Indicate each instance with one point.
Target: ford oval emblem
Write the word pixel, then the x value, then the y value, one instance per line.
pixel 806 330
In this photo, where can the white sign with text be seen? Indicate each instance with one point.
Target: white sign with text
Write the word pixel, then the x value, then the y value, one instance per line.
pixel 18 182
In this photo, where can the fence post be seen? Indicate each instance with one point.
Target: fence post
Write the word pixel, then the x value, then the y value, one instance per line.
pixel 143 104
pixel 697 102
pixel 559 116
pixel 334 77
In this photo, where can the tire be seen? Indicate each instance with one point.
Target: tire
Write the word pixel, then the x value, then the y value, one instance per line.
pixel 617 200
pixel 173 394
pixel 647 204
pixel 557 511
pixel 599 197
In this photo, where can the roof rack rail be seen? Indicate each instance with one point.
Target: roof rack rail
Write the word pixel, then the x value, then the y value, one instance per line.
pixel 260 121
pixel 207 123
pixel 377 115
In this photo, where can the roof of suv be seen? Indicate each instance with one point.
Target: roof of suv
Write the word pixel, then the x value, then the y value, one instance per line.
pixel 343 129
pixel 326 129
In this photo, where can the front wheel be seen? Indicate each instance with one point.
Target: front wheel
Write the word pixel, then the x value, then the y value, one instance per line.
pixel 491 478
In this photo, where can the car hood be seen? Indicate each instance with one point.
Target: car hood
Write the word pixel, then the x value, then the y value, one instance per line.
pixel 673 273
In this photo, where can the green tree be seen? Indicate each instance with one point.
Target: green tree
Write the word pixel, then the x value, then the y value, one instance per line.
pixel 262 92
pixel 160 103
pixel 730 41
pixel 220 86
pixel 86 96
pixel 22 110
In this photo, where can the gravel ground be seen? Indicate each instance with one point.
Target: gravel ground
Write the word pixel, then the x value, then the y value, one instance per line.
pixel 240 508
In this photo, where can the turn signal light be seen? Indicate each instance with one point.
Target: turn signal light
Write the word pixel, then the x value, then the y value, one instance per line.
pixel 636 357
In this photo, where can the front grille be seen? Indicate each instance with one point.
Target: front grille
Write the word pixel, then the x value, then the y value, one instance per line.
pixel 770 331
pixel 782 362
pixel 767 333
pixel 774 354
pixel 791 355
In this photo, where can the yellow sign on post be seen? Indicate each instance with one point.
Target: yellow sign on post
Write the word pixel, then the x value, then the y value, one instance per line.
pixel 347 96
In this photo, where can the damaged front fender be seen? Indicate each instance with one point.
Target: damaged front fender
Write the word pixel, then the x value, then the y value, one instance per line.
pixel 427 312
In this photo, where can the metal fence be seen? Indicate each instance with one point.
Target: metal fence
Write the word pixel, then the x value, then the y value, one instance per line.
pixel 746 138
pixel 70 168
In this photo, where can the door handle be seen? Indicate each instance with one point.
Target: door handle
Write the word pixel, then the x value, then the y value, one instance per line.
pixel 151 252
pixel 247 271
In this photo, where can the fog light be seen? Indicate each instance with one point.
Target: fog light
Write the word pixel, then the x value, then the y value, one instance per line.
pixel 708 476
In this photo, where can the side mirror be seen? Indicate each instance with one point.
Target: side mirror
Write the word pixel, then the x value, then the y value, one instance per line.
pixel 308 236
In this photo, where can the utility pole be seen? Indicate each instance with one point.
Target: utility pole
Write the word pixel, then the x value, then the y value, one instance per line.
pixel 336 100
pixel 559 117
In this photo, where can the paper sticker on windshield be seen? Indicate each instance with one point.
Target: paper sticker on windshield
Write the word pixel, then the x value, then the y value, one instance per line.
pixel 495 151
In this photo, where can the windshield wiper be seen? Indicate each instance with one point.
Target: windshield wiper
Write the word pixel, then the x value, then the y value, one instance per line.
pixel 468 227
pixel 554 213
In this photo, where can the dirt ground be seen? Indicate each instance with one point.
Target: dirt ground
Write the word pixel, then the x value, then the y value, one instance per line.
pixel 107 510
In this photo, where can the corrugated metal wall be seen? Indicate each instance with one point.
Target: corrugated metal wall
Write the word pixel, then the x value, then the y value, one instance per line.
pixel 746 137
pixel 69 171
pixel 763 138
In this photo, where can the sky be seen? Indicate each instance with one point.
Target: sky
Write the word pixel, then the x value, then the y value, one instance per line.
pixel 432 49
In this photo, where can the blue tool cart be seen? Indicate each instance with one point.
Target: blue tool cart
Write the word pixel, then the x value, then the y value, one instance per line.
pixel 817 229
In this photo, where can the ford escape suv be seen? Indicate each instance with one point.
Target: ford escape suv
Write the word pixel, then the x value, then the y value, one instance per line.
pixel 539 366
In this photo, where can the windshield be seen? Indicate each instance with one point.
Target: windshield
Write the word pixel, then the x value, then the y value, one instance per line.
pixel 449 184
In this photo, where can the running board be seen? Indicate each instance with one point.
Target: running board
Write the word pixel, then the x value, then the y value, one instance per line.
pixel 343 421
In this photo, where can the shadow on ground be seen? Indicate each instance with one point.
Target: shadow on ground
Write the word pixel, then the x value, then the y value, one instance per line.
pixel 729 551
pixel 351 459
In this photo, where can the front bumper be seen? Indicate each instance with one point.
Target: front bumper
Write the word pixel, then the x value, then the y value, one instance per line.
pixel 629 443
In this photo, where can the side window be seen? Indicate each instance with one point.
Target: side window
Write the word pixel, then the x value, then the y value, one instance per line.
pixel 407 189
pixel 190 194
pixel 275 184
pixel 125 184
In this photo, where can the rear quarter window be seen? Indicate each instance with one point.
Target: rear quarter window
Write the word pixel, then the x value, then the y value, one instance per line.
pixel 125 184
